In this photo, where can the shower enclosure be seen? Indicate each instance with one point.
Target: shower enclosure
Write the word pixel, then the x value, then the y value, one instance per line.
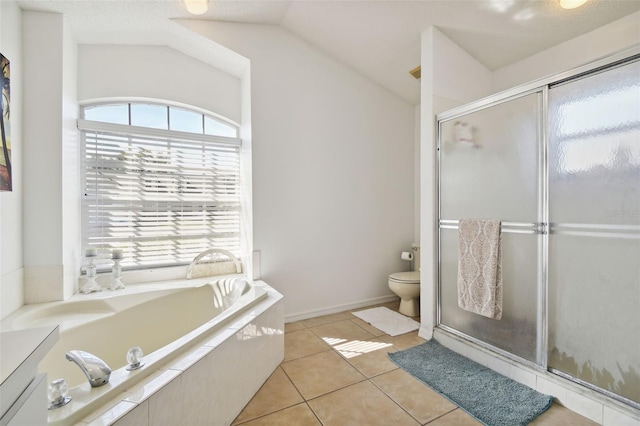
pixel 558 161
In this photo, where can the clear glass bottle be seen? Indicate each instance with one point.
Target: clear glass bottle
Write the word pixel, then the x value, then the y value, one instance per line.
pixel 116 271
pixel 91 285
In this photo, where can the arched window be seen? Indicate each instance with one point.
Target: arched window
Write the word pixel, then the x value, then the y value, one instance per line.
pixel 161 183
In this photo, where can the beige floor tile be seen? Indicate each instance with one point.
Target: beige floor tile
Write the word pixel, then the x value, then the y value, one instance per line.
pixel 423 403
pixel 369 358
pixel 334 381
pixel 293 326
pixel 359 404
pixel 300 343
pixel 455 418
pixel 339 332
pixel 326 319
pixel 298 415
pixel 404 341
pixel 371 329
pixel 557 415
pixel 321 373
pixel 277 393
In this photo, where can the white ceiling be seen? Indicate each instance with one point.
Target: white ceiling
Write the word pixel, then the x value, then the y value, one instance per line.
pixel 380 39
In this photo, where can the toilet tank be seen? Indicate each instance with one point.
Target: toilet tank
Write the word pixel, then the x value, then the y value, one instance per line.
pixel 416 257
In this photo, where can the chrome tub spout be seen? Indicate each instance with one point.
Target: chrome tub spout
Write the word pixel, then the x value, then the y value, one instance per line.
pixel 96 370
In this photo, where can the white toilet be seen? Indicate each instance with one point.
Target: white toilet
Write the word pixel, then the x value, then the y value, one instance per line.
pixel 407 286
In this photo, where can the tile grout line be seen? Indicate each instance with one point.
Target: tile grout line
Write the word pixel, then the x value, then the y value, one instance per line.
pixel 442 415
pixel 337 389
pixel 314 413
pixel 268 414
pixel 394 401
pixel 326 393
pixel 293 384
pixel 304 356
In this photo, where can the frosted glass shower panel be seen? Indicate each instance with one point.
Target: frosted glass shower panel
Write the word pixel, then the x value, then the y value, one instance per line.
pixel 594 148
pixel 594 319
pixel 516 331
pixel 594 242
pixel 489 162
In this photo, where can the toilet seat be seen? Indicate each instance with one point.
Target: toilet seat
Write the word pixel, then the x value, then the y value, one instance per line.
pixel 411 277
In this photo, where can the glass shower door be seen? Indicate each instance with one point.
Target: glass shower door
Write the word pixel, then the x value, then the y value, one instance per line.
pixel 490 168
pixel 594 242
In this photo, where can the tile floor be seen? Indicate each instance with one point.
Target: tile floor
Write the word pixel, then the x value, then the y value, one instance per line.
pixel 336 372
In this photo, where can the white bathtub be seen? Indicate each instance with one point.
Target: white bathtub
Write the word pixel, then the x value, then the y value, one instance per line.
pixel 170 321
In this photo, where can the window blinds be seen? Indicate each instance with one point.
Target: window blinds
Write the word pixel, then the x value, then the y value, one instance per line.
pixel 162 197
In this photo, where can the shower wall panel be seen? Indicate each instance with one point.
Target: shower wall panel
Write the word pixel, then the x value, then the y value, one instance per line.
pixel 594 246
pixel 490 169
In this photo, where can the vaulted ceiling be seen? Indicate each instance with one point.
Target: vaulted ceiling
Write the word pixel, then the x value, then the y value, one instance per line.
pixel 380 39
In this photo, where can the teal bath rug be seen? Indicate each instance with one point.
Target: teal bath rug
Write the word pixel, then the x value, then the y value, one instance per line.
pixel 491 398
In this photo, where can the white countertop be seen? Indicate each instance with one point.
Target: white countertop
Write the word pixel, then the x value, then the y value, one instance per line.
pixel 20 353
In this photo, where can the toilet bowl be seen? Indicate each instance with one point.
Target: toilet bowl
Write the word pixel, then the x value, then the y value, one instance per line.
pixel 407 286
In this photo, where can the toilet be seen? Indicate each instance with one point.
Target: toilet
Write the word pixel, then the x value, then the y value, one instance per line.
pixel 407 286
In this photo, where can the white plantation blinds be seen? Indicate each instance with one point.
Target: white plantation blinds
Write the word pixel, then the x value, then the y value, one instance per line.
pixel 161 196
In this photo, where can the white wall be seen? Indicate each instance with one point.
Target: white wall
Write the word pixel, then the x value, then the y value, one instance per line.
pixel 332 171
pixel 451 77
pixel 108 71
pixel 416 176
pixel 71 203
pixel 47 60
pixel 11 259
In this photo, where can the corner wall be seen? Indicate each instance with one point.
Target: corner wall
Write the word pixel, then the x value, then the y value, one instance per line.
pixel 451 77
pixel 11 244
pixel 333 172
pixel 50 204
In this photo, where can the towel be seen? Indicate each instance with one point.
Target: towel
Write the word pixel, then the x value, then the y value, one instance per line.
pixel 479 269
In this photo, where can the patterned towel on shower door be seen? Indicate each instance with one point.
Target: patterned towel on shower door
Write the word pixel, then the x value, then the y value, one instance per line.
pixel 479 267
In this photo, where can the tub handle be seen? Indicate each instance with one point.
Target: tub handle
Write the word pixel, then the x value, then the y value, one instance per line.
pixel 209 252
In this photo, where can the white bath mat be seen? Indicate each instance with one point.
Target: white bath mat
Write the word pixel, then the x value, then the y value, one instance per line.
pixel 384 319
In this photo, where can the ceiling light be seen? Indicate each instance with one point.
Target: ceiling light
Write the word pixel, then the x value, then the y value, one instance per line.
pixel 571 4
pixel 196 7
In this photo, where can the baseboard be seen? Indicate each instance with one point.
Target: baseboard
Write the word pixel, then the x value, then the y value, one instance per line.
pixel 338 308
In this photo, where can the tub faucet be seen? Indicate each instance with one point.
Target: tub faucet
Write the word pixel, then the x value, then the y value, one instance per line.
pixel 96 370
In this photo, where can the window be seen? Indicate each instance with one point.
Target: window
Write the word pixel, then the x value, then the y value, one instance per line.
pixel 160 183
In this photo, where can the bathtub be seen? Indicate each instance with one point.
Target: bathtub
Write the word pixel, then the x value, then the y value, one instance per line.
pixel 178 325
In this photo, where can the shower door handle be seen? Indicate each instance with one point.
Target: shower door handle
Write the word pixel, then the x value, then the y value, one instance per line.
pixel 541 228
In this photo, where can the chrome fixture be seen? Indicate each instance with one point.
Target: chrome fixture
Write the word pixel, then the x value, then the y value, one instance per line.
pixel 96 370
pixel 134 358
pixel 57 393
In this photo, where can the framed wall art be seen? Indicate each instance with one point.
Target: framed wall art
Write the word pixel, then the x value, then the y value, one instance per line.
pixel 5 127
